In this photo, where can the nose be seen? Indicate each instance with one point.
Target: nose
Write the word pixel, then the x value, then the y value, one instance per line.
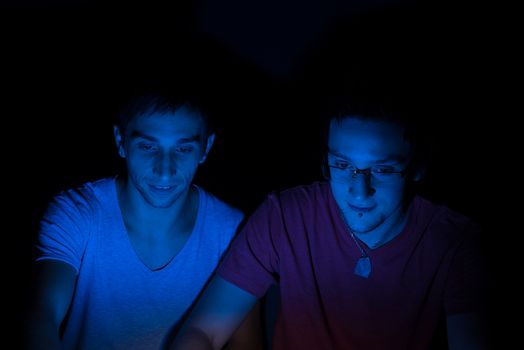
pixel 360 186
pixel 164 166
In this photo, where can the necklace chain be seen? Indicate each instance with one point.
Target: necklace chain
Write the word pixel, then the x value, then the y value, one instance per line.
pixel 363 253
pixel 363 266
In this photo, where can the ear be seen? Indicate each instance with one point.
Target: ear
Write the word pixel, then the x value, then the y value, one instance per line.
pixel 324 167
pixel 418 173
pixel 119 141
pixel 209 144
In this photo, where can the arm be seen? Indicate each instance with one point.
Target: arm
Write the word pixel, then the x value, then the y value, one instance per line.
pixel 466 331
pixel 249 335
pixel 467 293
pixel 54 290
pixel 216 316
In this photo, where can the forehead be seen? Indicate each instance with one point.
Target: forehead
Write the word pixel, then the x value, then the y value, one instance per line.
pixel 183 122
pixel 367 140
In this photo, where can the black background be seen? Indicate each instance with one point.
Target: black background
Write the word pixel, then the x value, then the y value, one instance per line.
pixel 264 67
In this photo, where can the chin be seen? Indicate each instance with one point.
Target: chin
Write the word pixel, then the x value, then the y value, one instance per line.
pixel 361 229
pixel 163 201
pixel 161 204
pixel 363 226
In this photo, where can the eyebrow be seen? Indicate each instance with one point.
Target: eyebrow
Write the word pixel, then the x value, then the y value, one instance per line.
pixel 392 158
pixel 137 134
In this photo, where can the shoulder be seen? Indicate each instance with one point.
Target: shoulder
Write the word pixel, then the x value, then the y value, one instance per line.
pixel 69 221
pixel 294 203
pixel 218 208
pixel 84 198
pixel 300 196
pixel 446 221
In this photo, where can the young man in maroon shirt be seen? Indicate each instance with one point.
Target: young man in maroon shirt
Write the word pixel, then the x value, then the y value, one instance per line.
pixel 361 262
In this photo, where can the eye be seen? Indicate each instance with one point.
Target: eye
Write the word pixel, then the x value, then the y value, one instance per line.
pixel 342 164
pixel 382 170
pixel 184 149
pixel 147 147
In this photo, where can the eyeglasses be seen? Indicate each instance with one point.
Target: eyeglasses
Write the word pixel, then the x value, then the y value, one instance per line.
pixel 342 171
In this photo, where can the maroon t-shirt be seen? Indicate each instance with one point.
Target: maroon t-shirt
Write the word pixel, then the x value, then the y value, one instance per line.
pixel 298 239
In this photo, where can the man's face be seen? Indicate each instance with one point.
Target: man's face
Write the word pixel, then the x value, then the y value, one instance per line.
pixel 162 153
pixel 366 201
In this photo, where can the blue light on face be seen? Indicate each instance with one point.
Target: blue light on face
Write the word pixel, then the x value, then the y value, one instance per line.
pixel 162 153
pixel 367 161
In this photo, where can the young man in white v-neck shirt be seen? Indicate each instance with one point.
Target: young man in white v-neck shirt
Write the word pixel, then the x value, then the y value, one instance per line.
pixel 121 260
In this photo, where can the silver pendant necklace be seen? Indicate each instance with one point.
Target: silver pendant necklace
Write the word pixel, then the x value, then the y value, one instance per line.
pixel 363 266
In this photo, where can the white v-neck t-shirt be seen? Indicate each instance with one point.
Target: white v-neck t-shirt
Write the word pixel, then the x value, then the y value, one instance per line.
pixel 119 303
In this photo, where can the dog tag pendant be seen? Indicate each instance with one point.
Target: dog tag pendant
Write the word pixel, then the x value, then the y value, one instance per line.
pixel 363 267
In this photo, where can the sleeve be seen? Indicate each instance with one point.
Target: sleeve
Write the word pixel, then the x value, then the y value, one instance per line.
pixel 233 227
pixel 467 281
pixel 252 262
pixel 64 229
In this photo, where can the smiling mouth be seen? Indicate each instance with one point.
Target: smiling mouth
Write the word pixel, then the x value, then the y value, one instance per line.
pixel 161 189
pixel 360 209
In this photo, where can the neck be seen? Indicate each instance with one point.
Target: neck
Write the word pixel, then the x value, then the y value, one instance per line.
pixel 140 216
pixel 386 232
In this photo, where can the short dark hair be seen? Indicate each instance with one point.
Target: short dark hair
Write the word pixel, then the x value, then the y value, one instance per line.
pixel 146 103
pixel 379 108
pixel 387 108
